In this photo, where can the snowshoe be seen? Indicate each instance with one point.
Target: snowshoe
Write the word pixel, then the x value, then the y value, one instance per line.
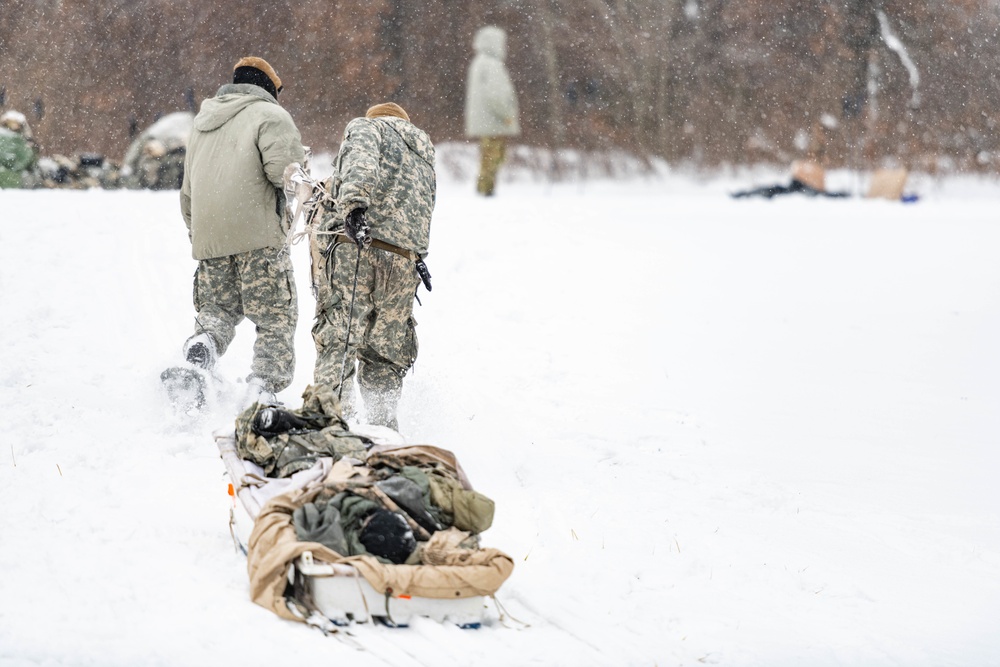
pixel 187 388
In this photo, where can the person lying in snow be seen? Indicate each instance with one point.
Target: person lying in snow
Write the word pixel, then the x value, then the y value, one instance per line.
pixel 767 192
pixel 808 178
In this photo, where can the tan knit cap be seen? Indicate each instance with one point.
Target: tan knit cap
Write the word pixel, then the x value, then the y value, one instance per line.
pixel 387 109
pixel 263 66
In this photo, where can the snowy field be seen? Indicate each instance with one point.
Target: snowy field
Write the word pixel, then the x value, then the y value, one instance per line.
pixel 742 433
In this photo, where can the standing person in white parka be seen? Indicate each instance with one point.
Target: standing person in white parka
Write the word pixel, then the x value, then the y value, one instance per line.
pixel 491 111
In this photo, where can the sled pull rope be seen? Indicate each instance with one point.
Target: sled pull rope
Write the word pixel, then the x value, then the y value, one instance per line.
pixel 388 616
pixel 350 320
pixel 309 228
pixel 504 614
pixel 232 533
pixel 305 211
pixel 361 592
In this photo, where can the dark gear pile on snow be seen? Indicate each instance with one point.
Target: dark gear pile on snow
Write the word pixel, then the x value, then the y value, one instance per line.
pixel 354 515
pixel 396 498
pixel 425 496
pixel 283 442
pixel 342 523
pixel 353 525
pixel 433 497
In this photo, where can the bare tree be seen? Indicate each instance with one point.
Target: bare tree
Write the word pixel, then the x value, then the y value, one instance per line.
pixel 705 81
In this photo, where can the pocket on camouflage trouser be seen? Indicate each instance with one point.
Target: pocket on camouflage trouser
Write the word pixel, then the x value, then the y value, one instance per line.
pixel 330 329
pixel 383 329
pixel 392 334
pixel 395 343
pixel 328 340
pixel 270 302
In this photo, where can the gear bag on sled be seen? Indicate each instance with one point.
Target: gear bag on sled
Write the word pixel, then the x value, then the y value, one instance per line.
pixel 345 525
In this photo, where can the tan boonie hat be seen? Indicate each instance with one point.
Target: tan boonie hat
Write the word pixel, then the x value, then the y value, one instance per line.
pixel 263 66
pixel 13 120
pixel 387 109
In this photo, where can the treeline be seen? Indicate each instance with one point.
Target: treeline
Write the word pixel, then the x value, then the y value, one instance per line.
pixel 706 82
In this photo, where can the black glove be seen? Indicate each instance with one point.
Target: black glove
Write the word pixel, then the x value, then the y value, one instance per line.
pixel 357 229
pixel 272 421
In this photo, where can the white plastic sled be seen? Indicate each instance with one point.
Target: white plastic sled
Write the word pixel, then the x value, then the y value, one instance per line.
pixel 340 593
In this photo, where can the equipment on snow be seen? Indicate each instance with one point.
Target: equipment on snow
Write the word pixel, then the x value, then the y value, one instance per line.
pixel 273 420
pixel 447 576
pixel 387 534
pixel 796 186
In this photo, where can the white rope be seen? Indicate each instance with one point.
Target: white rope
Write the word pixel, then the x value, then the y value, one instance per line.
pixel 504 614
pixel 361 592
pixel 296 176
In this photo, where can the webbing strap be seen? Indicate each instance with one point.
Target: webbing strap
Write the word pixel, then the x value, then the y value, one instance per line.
pixel 382 245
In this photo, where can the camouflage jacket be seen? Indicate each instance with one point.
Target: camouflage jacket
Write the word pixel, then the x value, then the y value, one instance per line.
pixel 386 165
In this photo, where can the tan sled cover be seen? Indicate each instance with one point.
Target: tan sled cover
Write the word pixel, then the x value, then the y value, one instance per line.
pixel 888 184
pixel 457 572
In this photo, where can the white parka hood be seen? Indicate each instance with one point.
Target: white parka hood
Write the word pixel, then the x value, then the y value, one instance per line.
pixel 491 108
pixel 491 41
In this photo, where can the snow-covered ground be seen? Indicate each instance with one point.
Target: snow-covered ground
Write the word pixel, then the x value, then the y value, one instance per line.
pixel 726 432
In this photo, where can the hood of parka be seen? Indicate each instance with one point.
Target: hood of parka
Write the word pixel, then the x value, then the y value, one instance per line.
pixel 416 139
pixel 491 41
pixel 231 99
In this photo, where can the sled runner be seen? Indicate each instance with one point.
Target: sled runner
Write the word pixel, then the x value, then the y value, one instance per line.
pixel 447 577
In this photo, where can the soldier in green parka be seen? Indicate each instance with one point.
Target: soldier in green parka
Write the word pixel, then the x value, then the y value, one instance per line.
pixel 384 188
pixel 17 150
pixel 233 202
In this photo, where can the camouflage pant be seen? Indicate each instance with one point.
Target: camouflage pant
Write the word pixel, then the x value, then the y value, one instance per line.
pixel 491 154
pixel 260 286
pixel 383 344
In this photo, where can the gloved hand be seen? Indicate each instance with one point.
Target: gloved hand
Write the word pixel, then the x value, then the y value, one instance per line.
pixel 357 228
